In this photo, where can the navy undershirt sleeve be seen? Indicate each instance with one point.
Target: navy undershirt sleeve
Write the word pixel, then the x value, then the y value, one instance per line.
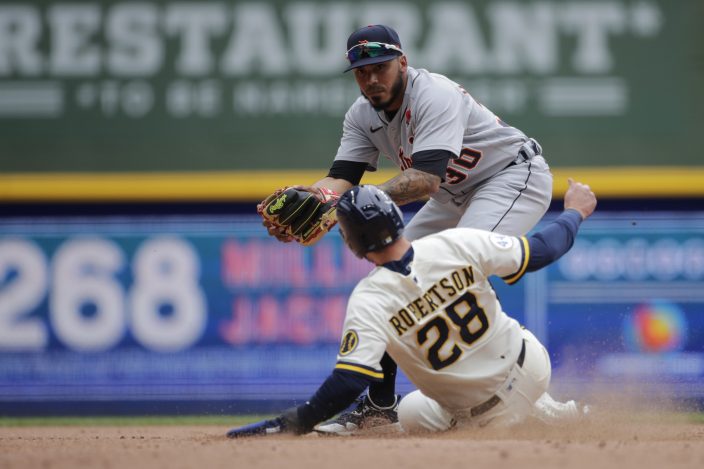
pixel 351 171
pixel 550 243
pixel 338 391
pixel 432 161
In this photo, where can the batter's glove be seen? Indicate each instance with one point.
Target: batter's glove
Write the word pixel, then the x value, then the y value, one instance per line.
pixel 262 428
pixel 298 213
pixel 288 422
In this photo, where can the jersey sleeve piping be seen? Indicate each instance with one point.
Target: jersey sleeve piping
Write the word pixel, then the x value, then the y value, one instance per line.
pixel 525 257
pixel 367 371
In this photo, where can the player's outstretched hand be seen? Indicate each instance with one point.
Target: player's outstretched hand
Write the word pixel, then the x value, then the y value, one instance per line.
pixel 277 231
pixel 287 422
pixel 262 428
pixel 580 197
pixel 299 213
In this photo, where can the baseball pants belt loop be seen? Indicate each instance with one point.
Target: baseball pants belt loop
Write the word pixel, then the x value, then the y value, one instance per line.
pixel 522 356
pixel 529 149
pixel 494 400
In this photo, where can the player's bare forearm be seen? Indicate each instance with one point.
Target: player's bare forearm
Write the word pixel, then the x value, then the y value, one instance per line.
pixel 411 185
pixel 338 185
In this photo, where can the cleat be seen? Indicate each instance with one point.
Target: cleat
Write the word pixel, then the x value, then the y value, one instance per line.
pixel 551 411
pixel 365 416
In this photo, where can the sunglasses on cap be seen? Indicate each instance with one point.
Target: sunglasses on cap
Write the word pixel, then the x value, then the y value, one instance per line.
pixel 370 49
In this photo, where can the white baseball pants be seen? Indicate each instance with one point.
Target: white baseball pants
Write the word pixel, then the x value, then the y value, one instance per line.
pixel 523 387
pixel 511 203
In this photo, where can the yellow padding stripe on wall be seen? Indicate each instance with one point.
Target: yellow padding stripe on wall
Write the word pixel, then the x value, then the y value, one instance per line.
pixel 255 185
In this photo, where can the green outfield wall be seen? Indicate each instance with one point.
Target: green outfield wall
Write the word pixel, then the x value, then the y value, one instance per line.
pixel 132 87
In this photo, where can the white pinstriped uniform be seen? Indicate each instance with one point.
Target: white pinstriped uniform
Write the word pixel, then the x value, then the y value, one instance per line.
pixel 445 328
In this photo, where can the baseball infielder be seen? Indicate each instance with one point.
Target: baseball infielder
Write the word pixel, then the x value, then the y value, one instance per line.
pixel 478 171
pixel 429 304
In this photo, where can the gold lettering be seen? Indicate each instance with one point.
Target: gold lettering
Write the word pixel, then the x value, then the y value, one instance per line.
pixel 437 295
pixel 457 281
pixel 468 275
pixel 421 307
pixel 412 308
pixel 429 299
pixel 397 325
pixel 445 283
pixel 407 318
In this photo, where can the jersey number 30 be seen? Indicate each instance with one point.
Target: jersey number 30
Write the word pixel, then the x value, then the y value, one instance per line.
pixel 467 316
pixel 458 169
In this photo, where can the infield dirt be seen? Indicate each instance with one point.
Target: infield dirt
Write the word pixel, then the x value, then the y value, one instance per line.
pixel 609 440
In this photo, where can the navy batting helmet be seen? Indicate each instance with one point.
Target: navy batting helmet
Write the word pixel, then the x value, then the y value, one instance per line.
pixel 369 219
pixel 371 45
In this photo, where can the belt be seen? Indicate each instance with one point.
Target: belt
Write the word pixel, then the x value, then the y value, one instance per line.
pixel 494 400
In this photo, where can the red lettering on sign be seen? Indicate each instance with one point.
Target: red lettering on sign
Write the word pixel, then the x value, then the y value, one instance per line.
pixel 300 318
pixel 324 269
pixel 256 262
pixel 301 324
pixel 332 315
pixel 353 268
pixel 268 325
pixel 268 263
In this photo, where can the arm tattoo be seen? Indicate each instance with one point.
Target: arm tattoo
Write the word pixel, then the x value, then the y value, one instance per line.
pixel 410 186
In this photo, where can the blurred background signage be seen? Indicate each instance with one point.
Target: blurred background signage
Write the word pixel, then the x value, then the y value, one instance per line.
pixel 172 85
pixel 211 309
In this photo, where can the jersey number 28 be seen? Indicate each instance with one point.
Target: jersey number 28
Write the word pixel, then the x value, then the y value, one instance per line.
pixel 467 316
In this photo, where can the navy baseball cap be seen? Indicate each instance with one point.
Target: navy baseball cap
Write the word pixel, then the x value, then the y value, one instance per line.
pixel 372 45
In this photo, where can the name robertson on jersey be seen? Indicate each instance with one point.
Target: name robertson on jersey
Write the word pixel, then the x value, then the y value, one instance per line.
pixel 432 299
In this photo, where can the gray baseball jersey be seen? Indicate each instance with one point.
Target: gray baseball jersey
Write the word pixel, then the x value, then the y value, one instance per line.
pixel 442 323
pixel 436 114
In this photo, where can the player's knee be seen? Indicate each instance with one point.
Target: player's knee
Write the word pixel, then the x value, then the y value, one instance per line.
pixel 409 412
pixel 417 413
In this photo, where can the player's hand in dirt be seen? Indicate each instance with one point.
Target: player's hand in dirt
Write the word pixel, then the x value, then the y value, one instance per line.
pixel 261 428
pixel 580 197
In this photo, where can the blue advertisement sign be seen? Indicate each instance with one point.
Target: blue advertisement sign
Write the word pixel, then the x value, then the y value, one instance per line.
pixel 209 308
pixel 627 303
pixel 197 308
